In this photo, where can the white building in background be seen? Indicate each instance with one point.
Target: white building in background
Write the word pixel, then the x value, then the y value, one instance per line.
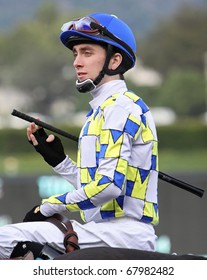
pixel 144 76
pixel 163 115
pixel 11 98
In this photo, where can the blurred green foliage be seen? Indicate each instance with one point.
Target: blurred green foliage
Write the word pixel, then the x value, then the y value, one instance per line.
pixel 182 147
pixel 14 141
pixel 185 136
pixel 34 60
pixel 178 42
pixel 188 136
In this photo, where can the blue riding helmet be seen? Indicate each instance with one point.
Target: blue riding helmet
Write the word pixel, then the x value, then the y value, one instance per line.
pixel 102 28
pixel 108 31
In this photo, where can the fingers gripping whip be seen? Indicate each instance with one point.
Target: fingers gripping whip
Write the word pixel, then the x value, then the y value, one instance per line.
pixel 43 125
pixel 163 176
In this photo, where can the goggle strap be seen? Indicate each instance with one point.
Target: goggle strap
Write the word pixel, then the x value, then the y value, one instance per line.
pixel 105 31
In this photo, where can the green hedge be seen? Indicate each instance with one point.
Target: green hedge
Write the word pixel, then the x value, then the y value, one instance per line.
pixel 182 137
pixel 179 137
pixel 14 141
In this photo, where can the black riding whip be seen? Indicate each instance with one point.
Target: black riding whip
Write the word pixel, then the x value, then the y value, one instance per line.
pixel 163 176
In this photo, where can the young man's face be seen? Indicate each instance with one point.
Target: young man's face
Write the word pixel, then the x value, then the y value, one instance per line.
pixel 88 60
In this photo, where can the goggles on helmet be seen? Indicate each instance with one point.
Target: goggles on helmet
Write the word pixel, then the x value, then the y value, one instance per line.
pixel 81 25
pixel 92 26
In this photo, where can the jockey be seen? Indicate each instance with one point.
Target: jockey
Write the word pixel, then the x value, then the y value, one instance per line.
pixel 107 31
pixel 116 172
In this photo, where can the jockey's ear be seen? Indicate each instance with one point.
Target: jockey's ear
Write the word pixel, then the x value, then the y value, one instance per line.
pixel 115 61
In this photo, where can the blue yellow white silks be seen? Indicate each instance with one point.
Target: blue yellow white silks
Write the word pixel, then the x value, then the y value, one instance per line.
pixel 117 164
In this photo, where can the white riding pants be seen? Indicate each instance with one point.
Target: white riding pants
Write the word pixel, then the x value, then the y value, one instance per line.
pixel 120 233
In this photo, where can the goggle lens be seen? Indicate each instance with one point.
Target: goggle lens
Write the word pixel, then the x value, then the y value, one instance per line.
pixel 81 25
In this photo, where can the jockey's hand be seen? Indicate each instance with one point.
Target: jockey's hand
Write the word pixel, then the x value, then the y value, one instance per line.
pixel 50 147
pixel 34 215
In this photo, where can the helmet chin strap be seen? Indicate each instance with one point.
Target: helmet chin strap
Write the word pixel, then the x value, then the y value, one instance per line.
pixel 85 86
pixel 89 84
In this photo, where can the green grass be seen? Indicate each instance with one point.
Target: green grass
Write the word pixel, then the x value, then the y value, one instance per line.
pixel 169 160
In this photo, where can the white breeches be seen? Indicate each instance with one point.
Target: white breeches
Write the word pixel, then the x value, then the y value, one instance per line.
pixel 119 233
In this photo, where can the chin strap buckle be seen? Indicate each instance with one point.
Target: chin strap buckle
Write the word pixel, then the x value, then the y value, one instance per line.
pixel 85 86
